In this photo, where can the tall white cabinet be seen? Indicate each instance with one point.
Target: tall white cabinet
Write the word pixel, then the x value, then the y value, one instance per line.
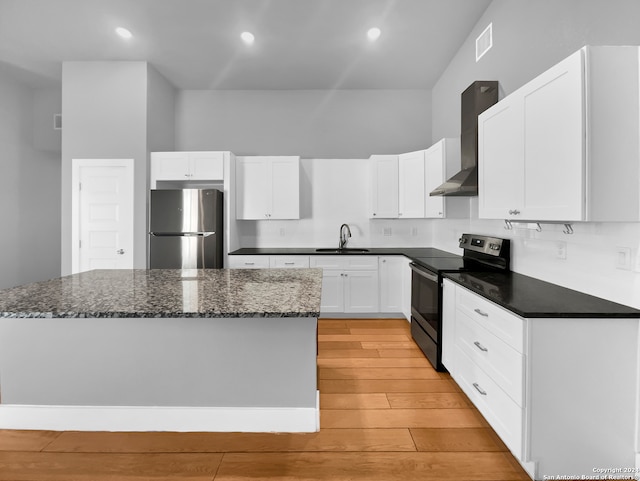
pixel 566 146
pixel 268 187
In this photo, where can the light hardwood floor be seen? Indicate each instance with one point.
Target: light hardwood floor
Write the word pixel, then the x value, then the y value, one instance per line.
pixel 386 415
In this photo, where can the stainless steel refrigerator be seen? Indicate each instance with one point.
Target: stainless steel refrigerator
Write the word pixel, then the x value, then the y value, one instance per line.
pixel 185 229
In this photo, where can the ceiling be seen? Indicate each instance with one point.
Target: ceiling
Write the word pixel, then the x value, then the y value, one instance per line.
pixel 195 44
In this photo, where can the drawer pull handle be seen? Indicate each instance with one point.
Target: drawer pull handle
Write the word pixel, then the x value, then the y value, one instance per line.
pixel 289 263
pixel 479 389
pixel 481 347
pixel 482 313
pixel 249 263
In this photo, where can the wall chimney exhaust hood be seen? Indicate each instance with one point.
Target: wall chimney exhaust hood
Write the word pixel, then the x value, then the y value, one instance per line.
pixel 477 98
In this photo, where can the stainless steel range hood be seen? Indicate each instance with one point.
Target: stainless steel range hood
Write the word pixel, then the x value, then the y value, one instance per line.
pixel 477 98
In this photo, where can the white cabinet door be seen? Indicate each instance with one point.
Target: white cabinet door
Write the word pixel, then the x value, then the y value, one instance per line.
pixel 434 173
pixel 500 160
pixel 332 291
pixel 391 271
pixel 186 166
pixel 289 262
pixel 554 142
pixel 411 185
pixel 251 188
pixel 284 187
pixel 360 291
pixel 169 166
pixel 384 186
pixel 268 188
pixel 532 149
pixel 248 262
pixel 206 165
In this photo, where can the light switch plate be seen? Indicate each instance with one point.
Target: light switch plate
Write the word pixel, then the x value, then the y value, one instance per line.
pixel 623 258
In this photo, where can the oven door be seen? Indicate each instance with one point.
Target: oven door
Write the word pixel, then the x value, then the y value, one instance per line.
pixel 425 312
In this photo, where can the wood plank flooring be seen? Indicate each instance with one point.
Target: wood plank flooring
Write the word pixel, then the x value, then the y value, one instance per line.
pixel 386 415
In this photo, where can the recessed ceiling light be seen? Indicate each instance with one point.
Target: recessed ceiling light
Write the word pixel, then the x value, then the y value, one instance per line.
pixel 373 33
pixel 124 33
pixel 247 37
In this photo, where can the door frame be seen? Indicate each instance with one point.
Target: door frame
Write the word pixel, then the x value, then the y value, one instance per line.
pixel 76 165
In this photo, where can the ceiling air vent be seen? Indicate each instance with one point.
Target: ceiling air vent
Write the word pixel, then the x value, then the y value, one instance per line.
pixel 484 42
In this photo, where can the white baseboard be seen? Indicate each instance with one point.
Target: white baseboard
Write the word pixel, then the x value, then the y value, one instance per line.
pixel 161 418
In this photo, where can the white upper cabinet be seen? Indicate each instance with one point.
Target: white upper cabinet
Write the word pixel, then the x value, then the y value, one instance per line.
pixel 566 146
pixel 384 186
pixel 186 166
pixel 400 184
pixel 268 187
pixel 436 158
pixel 411 185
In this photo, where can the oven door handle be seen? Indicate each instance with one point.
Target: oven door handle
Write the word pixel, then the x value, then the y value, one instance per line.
pixel 421 272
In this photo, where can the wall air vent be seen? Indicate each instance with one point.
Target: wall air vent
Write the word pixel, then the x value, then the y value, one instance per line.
pixel 484 42
pixel 57 121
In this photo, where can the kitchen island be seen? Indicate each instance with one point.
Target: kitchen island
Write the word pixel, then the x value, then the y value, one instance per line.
pixel 162 350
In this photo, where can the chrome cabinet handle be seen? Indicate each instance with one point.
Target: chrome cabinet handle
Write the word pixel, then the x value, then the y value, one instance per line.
pixel 479 389
pixel 514 212
pixel 482 313
pixel 289 263
pixel 249 263
pixel 120 251
pixel 481 347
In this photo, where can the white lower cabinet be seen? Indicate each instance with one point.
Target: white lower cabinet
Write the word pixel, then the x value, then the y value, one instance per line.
pixel 266 262
pixel 248 262
pixel 560 392
pixel 395 285
pixel 349 283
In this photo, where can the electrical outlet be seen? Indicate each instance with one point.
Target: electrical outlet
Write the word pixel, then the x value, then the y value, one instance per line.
pixel 414 231
pixel 623 258
pixel 561 250
pixel 282 232
pixel 386 231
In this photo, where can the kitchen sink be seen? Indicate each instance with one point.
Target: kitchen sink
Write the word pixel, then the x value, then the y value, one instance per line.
pixel 344 250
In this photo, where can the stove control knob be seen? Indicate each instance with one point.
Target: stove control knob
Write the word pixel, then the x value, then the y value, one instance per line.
pixel 494 247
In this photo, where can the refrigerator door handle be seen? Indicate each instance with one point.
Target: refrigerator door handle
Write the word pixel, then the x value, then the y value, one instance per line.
pixel 181 234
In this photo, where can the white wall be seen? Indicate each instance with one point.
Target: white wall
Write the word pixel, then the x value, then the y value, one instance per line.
pixel 528 38
pixel 104 107
pixel 30 193
pixel 310 123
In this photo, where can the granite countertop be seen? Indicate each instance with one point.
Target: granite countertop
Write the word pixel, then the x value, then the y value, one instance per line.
pixel 532 298
pixel 173 293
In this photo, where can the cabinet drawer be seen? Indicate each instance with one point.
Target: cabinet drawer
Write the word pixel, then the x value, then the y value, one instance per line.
pixel 289 261
pixel 502 413
pixel 505 325
pixel 249 262
pixel 500 361
pixel 363 262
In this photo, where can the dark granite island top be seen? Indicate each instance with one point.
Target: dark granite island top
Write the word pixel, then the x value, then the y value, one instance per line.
pixel 162 350
pixel 171 293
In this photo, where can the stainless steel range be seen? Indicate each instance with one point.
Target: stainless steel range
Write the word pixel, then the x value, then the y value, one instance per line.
pixel 480 253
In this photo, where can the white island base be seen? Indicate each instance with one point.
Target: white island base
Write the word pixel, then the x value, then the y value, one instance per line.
pixel 255 374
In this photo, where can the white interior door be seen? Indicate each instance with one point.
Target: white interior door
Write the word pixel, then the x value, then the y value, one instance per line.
pixel 102 214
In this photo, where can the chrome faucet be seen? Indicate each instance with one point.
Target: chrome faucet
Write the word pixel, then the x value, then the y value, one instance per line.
pixel 344 238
